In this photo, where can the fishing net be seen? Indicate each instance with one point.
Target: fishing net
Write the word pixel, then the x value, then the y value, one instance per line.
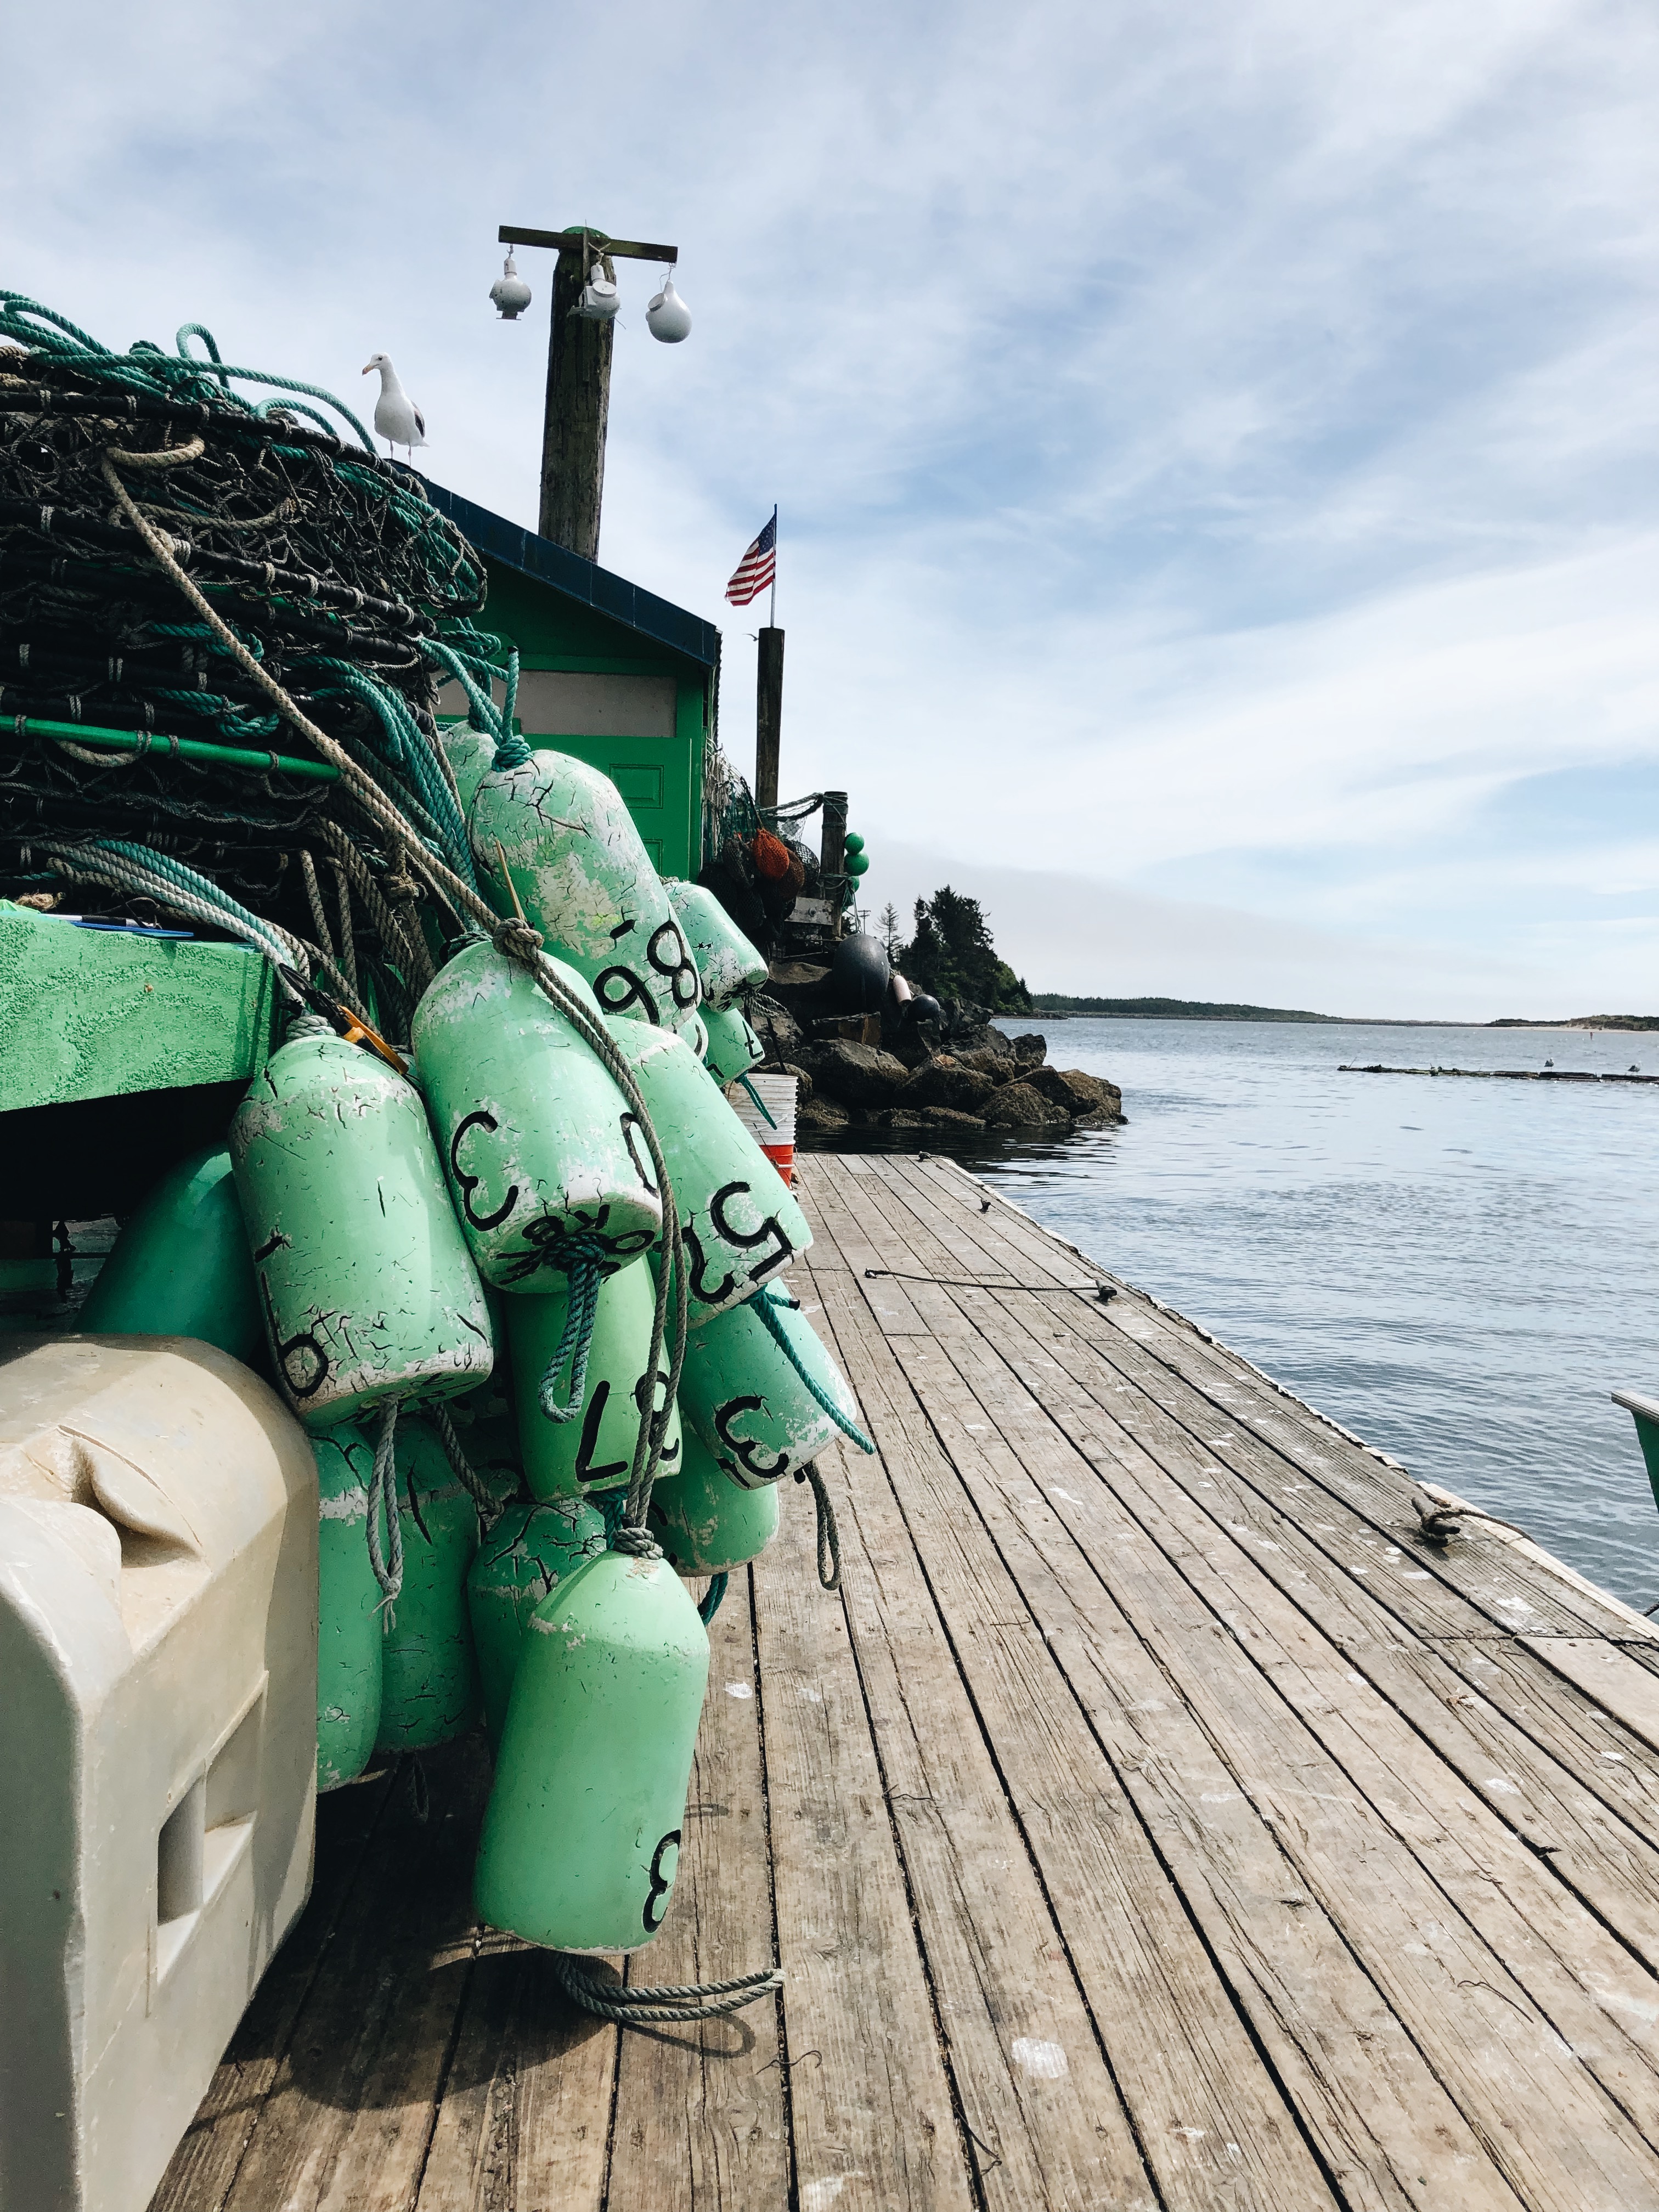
pixel 331 571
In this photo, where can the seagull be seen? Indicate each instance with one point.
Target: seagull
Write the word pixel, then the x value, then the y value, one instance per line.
pixel 396 418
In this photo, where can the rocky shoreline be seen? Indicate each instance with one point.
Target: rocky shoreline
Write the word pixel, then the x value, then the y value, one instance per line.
pixel 960 1077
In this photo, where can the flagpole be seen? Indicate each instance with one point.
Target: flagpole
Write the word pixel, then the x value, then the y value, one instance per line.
pixel 772 614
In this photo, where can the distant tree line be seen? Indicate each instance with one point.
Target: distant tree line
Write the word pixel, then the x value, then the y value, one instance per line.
pixel 949 953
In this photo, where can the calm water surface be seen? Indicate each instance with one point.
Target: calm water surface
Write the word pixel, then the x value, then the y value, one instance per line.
pixel 1459 1272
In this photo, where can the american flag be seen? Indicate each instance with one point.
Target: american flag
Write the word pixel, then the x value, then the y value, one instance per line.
pixel 756 571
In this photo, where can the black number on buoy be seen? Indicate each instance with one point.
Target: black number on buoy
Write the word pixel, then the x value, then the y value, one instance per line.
pixel 747 1448
pixel 660 1884
pixel 631 992
pixel 469 1183
pixel 744 1240
pixel 700 1287
pixel 306 1341
pixel 586 1472
pixel 681 971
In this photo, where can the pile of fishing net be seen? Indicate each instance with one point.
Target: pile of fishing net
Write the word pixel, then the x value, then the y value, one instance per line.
pixel 195 584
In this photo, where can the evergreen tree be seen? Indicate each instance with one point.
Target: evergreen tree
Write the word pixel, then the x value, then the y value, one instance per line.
pixel 952 955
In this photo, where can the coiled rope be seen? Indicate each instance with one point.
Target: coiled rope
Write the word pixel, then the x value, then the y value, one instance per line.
pixel 666 2001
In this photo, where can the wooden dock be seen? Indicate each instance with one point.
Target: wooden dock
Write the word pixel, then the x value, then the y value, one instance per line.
pixel 1153 1821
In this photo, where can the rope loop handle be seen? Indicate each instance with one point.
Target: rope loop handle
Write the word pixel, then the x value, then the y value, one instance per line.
pixel 387 1562
pixel 575 1342
pixel 766 1306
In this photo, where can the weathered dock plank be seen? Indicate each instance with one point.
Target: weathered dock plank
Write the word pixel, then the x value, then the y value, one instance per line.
pixel 1154 1822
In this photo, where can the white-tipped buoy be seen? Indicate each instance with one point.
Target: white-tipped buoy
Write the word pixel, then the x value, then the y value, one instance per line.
pixel 668 318
pixel 509 292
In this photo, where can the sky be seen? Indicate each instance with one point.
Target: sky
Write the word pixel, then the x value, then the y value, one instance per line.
pixel 1214 446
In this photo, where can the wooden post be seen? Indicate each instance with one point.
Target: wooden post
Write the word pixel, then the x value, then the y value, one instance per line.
pixel 768 716
pixel 832 851
pixel 578 382
pixel 578 409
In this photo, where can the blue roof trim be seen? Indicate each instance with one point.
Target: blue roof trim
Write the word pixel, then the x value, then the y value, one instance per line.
pixel 582 580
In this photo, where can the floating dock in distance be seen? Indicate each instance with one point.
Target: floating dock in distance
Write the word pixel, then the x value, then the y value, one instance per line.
pixel 1498 1074
pixel 1154 1822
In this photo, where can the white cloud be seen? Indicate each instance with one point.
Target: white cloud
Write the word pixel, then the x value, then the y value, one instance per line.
pixel 1214 445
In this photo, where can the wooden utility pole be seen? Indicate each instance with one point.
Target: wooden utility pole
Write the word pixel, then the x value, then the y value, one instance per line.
pixel 578 382
pixel 832 853
pixel 768 716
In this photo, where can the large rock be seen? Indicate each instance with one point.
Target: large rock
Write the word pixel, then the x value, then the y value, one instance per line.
pixel 949 1123
pixel 1000 1067
pixel 775 1026
pixel 1018 1106
pixel 857 1074
pixel 820 1117
pixel 1030 1049
pixel 944 1080
pixel 1077 1093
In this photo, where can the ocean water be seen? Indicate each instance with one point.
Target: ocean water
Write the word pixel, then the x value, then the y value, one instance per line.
pixel 1458 1272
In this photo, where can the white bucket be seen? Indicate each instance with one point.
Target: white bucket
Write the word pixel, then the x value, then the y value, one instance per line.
pixel 771 1122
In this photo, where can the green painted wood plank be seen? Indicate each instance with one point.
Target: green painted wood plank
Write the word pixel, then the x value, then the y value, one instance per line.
pixel 86 1013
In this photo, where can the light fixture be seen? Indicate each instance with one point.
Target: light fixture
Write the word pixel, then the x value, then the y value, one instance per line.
pixel 668 319
pixel 509 292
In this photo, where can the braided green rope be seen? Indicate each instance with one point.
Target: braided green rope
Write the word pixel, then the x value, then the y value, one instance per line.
pixel 772 1296
pixel 575 1343
pixel 712 1598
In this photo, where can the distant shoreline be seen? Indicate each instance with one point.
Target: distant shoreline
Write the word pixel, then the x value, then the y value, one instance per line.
pixel 1056 1005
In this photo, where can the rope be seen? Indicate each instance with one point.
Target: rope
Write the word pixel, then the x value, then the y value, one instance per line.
pixel 488 1503
pixel 383 1497
pixel 684 2001
pixel 1105 1292
pixel 829 1534
pixel 712 1597
pixel 575 1343
pixel 758 1100
pixel 772 1296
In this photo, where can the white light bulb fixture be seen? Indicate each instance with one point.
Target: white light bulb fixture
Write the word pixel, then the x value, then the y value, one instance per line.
pixel 509 292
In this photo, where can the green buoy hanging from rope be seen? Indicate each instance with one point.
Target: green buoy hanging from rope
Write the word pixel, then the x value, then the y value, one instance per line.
pixel 349 1630
pixel 706 1523
pixel 527 1554
pixel 728 963
pixel 740 1225
pixel 429 1676
pixel 368 1291
pixel 761 1392
pixel 581 1836
pixel 578 866
pixel 546 1162
pixel 594 1449
pixel 733 1048
pixel 180 1266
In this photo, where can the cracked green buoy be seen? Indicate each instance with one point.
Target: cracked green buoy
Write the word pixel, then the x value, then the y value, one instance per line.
pixel 180 1266
pixel 595 1451
pixel 546 1162
pixel 429 1674
pixel 707 1524
pixel 524 1557
pixel 733 1048
pixel 740 1225
pixel 743 1395
pixel 728 963
pixel 580 870
pixel 349 1631
pixel 581 1836
pixel 366 1285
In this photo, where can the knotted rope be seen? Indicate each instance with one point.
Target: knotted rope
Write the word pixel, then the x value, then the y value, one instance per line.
pixel 575 1342
pixel 383 1497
